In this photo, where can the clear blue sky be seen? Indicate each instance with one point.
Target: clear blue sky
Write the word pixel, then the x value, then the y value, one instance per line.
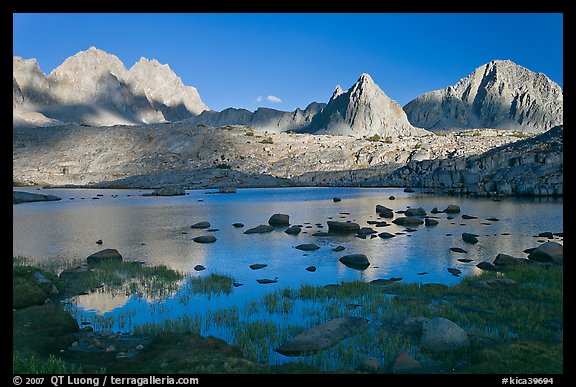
pixel 238 60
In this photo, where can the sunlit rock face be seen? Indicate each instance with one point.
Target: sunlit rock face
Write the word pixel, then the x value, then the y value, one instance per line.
pixel 94 87
pixel 499 94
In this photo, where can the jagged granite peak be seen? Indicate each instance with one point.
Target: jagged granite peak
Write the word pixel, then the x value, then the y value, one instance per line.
pixel 88 76
pixel 165 90
pixel 94 87
pixel 363 110
pixel 499 94
pixel 337 92
pixel 31 81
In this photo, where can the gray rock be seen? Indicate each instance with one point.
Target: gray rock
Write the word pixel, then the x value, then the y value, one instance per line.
pixel 204 239
pixel 293 230
pixel 355 261
pixel 415 212
pixel 261 229
pixel 343 227
pixel 256 266
pixel 238 224
pixel 452 209
pixel 106 255
pixel 408 221
pixel 339 248
pixel 487 266
pixel 311 268
pixel 322 336
pixel 430 222
pixel 508 260
pixel 201 225
pixel 469 238
pixel 386 235
pixel 405 364
pixel 458 250
pixel 467 217
pixel 442 335
pixel 199 268
pixel 548 252
pixel 279 220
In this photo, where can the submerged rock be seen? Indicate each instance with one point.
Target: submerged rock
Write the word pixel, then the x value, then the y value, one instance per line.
pixel 256 266
pixel 322 336
pixel 261 229
pixel 307 247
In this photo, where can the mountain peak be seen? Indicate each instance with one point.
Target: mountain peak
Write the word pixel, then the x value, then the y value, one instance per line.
pixel 499 94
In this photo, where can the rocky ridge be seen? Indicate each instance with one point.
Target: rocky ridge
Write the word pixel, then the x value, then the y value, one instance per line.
pixel 499 94
pixel 531 167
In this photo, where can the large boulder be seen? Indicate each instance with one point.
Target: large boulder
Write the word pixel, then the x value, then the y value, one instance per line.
pixel 343 227
pixel 322 336
pixel 355 261
pixel 106 255
pixel 279 220
pixel 548 252
pixel 443 335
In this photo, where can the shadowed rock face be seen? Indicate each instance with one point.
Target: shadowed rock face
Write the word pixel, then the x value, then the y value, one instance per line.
pixel 499 94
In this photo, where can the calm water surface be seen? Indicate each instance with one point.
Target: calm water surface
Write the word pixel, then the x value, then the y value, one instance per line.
pixel 157 230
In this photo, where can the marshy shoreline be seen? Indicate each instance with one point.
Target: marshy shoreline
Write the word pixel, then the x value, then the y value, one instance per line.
pixel 513 318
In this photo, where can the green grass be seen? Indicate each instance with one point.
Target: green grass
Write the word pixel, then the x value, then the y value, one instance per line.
pixel 213 284
pixel 22 364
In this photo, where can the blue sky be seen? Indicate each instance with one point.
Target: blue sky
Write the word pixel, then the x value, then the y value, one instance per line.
pixel 285 61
